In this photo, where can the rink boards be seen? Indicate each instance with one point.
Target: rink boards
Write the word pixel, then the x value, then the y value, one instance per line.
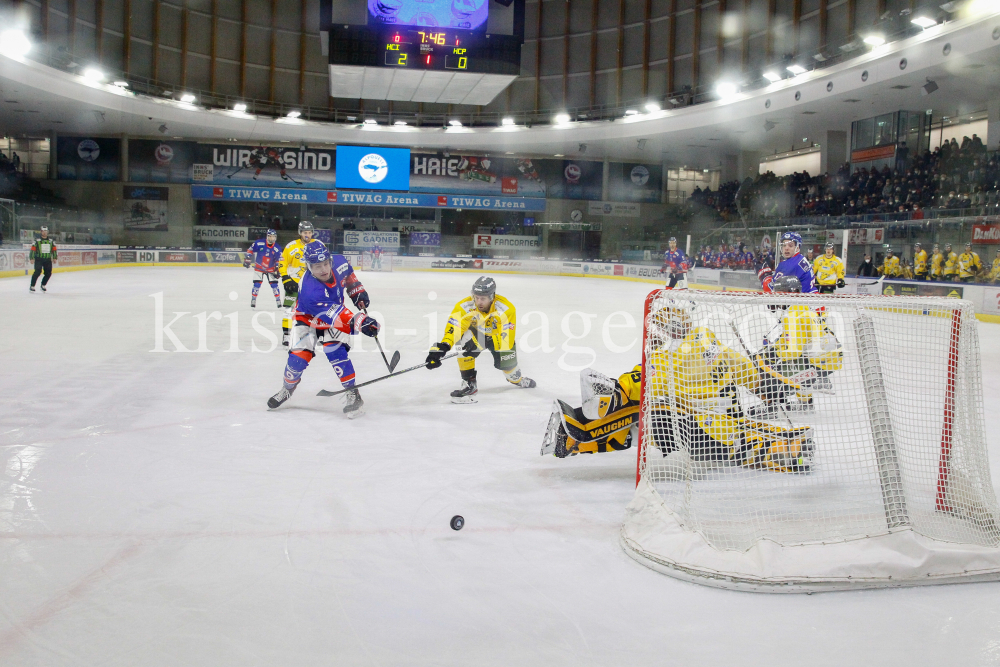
pixel 13 263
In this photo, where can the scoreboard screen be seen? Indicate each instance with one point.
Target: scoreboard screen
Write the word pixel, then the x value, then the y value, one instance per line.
pixel 420 48
pixel 462 14
pixel 428 49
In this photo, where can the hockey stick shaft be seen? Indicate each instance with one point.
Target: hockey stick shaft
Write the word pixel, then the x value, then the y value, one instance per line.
pixel 325 392
pixel 395 356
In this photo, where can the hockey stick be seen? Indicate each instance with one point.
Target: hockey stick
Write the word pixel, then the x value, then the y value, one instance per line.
pixel 395 355
pixel 326 392
pixel 753 359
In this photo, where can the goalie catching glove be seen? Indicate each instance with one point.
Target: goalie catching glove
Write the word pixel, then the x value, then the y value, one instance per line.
pixel 436 354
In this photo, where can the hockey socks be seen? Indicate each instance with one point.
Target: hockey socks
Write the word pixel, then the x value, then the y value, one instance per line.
pixel 277 293
pixel 342 366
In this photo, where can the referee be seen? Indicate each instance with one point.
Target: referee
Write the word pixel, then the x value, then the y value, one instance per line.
pixel 43 251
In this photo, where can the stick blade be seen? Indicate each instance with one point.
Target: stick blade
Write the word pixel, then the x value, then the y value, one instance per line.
pixel 394 361
pixel 327 392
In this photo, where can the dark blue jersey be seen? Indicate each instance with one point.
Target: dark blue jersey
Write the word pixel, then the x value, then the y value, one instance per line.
pixel 263 257
pixel 320 303
pixel 799 267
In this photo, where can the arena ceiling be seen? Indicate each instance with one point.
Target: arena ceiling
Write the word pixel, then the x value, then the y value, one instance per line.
pixel 962 58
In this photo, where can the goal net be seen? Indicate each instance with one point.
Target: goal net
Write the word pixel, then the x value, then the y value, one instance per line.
pixel 795 442
pixel 376 261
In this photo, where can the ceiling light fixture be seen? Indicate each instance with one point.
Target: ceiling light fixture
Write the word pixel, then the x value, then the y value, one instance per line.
pixel 796 69
pixel 400 123
pixel 653 107
pixel 562 118
pixel 726 90
pixel 370 121
pixel 772 76
pixel 874 40
pixel 507 122
pixel 455 123
pixel 188 98
pixel 923 21
pixel 293 114
pixel 120 84
pixel 240 107
pixel 93 74
pixel 14 43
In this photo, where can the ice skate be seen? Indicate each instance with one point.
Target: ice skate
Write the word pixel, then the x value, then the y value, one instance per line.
pixel 253 302
pixel 31 289
pixel 466 393
pixel 279 398
pixel 518 380
pixel 285 338
pixel 43 288
pixel 355 406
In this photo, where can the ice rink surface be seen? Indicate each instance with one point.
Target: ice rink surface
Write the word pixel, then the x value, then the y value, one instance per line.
pixel 154 513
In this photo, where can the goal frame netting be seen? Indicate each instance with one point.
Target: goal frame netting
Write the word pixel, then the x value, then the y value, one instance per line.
pixel 931 515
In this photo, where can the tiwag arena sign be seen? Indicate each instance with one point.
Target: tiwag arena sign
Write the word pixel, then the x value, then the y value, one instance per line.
pixel 503 242
pixel 988 234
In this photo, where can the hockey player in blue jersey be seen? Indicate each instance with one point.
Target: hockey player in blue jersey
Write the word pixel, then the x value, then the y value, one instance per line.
pixel 321 318
pixel 264 255
pixel 792 264
pixel 675 263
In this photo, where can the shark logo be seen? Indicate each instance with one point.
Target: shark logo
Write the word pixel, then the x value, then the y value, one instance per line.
pixel 373 168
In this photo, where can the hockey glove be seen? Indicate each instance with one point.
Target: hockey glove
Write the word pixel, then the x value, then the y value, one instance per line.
pixel 246 264
pixel 764 273
pixel 291 287
pixel 470 347
pixel 367 325
pixel 436 354
pixel 841 283
pixel 361 300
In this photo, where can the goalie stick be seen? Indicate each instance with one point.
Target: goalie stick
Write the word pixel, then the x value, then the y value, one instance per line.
pixel 326 392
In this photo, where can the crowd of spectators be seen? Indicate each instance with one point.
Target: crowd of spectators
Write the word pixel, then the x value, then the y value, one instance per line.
pixel 952 177
pixel 9 167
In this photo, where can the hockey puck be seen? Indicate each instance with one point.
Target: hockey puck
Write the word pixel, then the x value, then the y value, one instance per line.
pixel 457 522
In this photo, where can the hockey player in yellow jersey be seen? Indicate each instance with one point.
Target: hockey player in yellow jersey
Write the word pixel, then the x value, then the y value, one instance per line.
pixel 905 271
pixel 994 274
pixel 919 262
pixel 829 271
pixel 890 265
pixel 937 263
pixel 291 268
pixel 693 405
pixel 606 420
pixel 969 265
pixel 950 263
pixel 484 320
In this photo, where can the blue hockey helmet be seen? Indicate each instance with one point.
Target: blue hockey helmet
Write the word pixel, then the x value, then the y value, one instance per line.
pixel 792 236
pixel 315 252
pixel 271 233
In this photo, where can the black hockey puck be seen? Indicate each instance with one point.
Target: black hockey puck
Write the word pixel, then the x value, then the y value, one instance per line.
pixel 457 522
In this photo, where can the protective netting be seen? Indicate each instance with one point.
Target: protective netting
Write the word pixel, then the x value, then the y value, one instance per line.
pixel 807 420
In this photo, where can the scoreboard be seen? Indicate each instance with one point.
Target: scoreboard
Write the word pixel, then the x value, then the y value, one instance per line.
pixel 444 51
pixel 425 48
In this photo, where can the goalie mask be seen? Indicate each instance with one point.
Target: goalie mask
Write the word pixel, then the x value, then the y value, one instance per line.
pixel 670 323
